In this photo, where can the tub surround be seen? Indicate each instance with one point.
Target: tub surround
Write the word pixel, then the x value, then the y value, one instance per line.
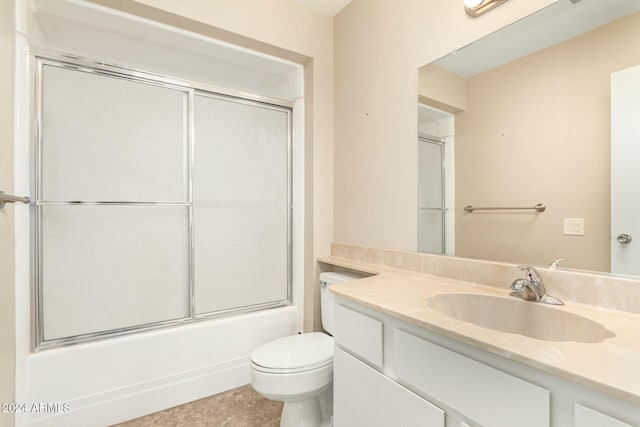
pixel 404 281
pixel 126 377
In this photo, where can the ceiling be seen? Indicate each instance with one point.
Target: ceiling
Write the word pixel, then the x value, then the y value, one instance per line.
pixel 325 7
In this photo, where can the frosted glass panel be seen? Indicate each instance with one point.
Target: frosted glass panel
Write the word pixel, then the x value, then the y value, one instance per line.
pixel 241 256
pixel 429 175
pixel 105 138
pixel 240 204
pixel 430 231
pixel 107 267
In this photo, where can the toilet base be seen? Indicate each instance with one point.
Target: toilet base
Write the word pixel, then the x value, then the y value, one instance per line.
pixel 317 411
pixel 304 413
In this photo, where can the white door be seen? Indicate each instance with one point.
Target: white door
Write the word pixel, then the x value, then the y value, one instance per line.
pixel 625 171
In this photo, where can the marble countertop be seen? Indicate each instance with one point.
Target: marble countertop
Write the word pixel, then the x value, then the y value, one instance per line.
pixel 611 366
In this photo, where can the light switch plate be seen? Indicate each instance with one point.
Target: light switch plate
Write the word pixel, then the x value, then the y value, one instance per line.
pixel 574 226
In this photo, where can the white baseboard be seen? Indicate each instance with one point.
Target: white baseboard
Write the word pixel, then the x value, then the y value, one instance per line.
pixel 126 403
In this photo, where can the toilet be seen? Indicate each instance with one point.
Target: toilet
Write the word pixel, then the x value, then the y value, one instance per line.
pixel 298 370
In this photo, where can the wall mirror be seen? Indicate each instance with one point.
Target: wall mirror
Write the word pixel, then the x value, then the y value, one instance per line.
pixel 544 111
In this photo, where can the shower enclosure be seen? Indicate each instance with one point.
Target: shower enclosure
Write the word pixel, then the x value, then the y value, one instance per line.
pixel 436 181
pixel 158 202
pixel 165 234
pixel 431 195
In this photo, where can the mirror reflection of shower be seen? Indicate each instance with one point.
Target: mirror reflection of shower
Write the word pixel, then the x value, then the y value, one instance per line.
pixel 436 184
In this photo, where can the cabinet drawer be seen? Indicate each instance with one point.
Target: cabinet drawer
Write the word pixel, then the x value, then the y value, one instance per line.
pixel 485 395
pixel 365 397
pixel 585 417
pixel 360 334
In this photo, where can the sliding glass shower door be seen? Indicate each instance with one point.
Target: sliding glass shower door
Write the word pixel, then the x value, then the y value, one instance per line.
pixel 241 203
pixel 156 203
pixel 112 203
pixel 431 196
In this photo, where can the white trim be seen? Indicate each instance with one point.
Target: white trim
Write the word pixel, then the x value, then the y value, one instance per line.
pixel 22 215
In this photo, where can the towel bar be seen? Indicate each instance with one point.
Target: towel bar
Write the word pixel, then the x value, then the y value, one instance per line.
pixel 539 207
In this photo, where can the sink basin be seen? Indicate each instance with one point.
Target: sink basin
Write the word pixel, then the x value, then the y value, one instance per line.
pixel 515 316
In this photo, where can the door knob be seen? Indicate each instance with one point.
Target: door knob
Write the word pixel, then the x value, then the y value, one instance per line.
pixel 624 239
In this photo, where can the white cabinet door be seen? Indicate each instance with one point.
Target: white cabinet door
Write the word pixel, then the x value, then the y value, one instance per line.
pixel 360 334
pixel 585 417
pixel 486 395
pixel 365 397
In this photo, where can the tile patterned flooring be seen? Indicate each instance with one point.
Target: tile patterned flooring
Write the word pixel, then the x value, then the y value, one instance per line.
pixel 240 407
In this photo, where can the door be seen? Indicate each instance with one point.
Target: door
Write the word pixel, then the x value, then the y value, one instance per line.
pixel 625 174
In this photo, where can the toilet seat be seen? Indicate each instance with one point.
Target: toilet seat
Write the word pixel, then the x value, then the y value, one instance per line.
pixel 296 353
pixel 288 370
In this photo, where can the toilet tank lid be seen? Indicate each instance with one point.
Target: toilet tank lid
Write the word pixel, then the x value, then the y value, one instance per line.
pixel 333 277
pixel 296 351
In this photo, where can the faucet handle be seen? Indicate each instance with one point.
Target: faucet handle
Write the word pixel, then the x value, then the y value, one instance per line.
pixel 532 288
pixel 553 265
pixel 532 273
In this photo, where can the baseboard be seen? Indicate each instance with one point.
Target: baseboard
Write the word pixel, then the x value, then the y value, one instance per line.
pixel 126 403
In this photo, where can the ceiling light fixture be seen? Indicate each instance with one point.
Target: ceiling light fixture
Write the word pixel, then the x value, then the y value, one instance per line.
pixel 475 8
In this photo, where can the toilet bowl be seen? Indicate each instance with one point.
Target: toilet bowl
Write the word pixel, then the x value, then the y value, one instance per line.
pixel 298 370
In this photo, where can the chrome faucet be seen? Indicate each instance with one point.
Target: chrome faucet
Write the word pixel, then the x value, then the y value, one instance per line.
pixel 531 288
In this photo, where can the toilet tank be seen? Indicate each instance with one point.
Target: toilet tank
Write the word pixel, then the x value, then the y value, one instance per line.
pixel 327 303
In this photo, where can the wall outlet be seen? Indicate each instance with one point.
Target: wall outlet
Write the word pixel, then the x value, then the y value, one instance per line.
pixel 574 226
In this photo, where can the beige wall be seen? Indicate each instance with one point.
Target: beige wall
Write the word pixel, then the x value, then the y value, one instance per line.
pixel 7 294
pixel 274 26
pixel 379 46
pixel 442 89
pixel 537 130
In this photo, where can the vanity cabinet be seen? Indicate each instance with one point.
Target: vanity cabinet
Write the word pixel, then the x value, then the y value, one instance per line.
pixel 388 371
pixel 363 394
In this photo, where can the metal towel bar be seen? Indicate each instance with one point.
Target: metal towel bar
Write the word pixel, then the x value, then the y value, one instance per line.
pixel 7 198
pixel 539 207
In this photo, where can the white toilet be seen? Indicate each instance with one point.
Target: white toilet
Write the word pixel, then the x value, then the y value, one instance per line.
pixel 298 370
